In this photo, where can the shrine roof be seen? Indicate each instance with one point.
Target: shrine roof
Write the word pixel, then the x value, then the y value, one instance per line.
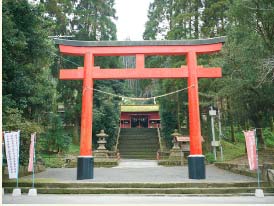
pixel 188 42
pixel 140 108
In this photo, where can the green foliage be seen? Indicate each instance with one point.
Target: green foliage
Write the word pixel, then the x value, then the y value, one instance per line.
pixel 74 149
pixel 245 93
pixel 27 56
pixel 13 121
pixel 55 139
pixel 210 158
pixel 232 151
pixel 53 161
pixel 269 137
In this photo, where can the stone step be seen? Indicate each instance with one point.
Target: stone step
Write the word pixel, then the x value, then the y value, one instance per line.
pixel 145 157
pixel 138 133
pixel 27 183
pixel 138 129
pixel 140 138
pixel 138 143
pixel 148 135
pixel 138 154
pixel 121 190
pixel 126 150
pixel 138 146
pixel 135 141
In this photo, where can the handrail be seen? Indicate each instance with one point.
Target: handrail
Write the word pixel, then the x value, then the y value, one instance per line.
pixel 160 139
pixel 117 139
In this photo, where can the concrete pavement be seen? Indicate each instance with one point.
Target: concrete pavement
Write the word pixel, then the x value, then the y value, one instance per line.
pixel 141 171
pixel 134 199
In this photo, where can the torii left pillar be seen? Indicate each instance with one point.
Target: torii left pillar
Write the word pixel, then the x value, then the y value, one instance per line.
pixel 85 162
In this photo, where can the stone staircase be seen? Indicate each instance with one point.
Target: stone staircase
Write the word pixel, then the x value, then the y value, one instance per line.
pixel 194 188
pixel 138 143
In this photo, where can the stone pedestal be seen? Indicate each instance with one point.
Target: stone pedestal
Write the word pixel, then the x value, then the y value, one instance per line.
pixel 259 193
pixel 16 192
pixel 32 192
pixel 196 167
pixel 100 154
pixel 85 167
pixel 175 153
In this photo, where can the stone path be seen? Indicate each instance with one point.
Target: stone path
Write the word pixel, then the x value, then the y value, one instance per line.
pixel 134 199
pixel 145 171
pixel 137 163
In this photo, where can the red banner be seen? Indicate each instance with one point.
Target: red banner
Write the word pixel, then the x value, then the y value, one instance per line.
pixel 31 152
pixel 251 149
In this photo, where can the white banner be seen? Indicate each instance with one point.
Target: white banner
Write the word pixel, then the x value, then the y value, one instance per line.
pixel 12 140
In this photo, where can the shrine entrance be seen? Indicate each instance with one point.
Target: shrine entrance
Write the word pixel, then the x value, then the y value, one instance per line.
pixel 139 121
pixel 90 49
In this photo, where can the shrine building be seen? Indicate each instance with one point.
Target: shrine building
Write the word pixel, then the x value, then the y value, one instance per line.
pixel 140 116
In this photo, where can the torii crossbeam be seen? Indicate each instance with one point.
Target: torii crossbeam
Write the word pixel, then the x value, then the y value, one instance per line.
pixel 90 72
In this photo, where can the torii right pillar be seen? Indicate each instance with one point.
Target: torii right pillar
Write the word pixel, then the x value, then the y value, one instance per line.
pixel 196 159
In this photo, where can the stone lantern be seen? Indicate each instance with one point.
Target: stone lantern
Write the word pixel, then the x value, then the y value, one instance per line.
pixel 174 141
pixel 101 150
pixel 175 152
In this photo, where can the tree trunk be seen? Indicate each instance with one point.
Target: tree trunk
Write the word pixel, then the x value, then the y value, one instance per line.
pixel 178 114
pixel 259 134
pixel 75 132
pixel 196 21
pixel 232 130
pixel 259 131
pixel 271 124
pixel 230 116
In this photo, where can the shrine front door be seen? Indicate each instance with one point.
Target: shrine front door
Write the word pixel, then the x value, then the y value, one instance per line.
pixel 139 121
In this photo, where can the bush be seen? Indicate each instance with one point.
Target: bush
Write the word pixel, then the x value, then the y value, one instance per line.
pixel 268 137
pixel 55 139
pixel 210 158
pixel 13 121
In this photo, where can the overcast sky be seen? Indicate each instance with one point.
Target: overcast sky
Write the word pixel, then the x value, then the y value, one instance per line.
pixel 132 16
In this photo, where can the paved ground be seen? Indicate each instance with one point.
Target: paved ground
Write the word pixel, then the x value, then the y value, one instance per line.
pixel 145 171
pixel 137 163
pixel 134 199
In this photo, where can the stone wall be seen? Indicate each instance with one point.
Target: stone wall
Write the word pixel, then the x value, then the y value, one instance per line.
pixel 243 169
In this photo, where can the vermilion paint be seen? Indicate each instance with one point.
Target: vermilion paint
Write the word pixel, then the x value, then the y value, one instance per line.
pixel 89 73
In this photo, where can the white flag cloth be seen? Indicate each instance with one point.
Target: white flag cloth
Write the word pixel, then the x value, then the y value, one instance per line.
pixel 12 140
pixel 31 152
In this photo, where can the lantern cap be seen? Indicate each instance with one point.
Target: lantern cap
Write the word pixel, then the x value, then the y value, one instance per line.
pixel 102 134
pixel 176 133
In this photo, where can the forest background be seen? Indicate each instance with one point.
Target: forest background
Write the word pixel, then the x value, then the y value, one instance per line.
pixel 34 100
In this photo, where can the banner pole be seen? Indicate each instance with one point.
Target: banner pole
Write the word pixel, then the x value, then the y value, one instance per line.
pixel 33 161
pixel 18 156
pixel 257 159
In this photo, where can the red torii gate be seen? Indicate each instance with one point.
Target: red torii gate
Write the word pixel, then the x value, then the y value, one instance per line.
pixel 90 72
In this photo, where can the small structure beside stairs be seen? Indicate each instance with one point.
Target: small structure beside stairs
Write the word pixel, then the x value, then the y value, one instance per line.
pixel 176 153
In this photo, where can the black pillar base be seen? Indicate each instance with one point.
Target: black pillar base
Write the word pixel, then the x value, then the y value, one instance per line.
pixel 85 167
pixel 196 167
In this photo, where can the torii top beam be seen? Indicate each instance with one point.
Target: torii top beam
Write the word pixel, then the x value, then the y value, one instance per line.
pixel 147 47
pixel 140 49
